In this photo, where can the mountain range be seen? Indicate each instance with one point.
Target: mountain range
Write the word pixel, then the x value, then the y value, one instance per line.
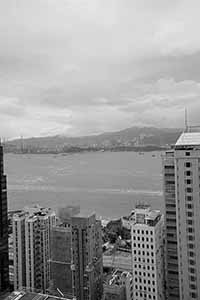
pixel 134 136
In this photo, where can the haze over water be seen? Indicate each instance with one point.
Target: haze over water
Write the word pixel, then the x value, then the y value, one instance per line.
pixel 108 183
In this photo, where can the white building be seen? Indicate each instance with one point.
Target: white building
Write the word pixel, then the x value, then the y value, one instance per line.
pixel 187 186
pixel 147 253
pixel 31 248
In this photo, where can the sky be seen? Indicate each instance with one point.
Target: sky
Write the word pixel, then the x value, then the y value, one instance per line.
pixel 81 67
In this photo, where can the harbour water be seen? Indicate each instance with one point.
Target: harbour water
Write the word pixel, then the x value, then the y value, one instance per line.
pixel 108 183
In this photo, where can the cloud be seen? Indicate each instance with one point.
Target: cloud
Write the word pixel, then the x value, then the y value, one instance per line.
pixel 86 66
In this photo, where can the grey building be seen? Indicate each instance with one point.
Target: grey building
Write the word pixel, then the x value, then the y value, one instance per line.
pixel 182 203
pixel 187 182
pixel 76 257
pixel 171 251
pixel 4 262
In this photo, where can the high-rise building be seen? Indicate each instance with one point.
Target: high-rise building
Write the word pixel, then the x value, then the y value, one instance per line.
pixel 147 253
pixel 76 257
pixel 171 251
pixel 31 248
pixel 187 187
pixel 4 262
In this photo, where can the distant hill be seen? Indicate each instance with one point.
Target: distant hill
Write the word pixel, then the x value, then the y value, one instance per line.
pixel 134 136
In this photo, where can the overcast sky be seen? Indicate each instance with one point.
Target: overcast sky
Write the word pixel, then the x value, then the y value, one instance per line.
pixel 79 67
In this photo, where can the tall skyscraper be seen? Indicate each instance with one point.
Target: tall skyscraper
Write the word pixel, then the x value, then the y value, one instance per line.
pixel 76 257
pixel 31 243
pixel 147 252
pixel 4 265
pixel 171 250
pixel 187 186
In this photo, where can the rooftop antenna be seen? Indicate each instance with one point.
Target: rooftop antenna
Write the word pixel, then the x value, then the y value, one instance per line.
pixel 22 144
pixel 186 120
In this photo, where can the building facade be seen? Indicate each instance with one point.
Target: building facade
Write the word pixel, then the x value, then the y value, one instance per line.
pixel 147 253
pixel 171 250
pixel 187 185
pixel 4 262
pixel 31 248
pixel 76 250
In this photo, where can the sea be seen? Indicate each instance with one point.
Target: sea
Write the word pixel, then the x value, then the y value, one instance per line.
pixel 107 183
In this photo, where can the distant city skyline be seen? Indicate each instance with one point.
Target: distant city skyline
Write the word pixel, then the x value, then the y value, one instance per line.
pixel 89 66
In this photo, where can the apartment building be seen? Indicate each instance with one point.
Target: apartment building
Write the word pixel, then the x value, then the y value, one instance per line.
pixel 31 248
pixel 147 253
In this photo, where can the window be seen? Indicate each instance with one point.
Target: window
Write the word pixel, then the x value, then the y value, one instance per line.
pixel 189 222
pixel 193 287
pixel 187 153
pixel 191 254
pixel 189 214
pixel 188 173
pixel 189 206
pixel 188 181
pixel 192 270
pixel 190 246
pixel 189 198
pixel 189 190
pixel 194 295
pixel 191 262
pixel 188 164
pixel 192 278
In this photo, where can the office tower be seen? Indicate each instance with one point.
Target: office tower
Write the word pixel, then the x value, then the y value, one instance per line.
pixel 187 185
pixel 4 265
pixel 147 252
pixel 31 247
pixel 171 251
pixel 76 257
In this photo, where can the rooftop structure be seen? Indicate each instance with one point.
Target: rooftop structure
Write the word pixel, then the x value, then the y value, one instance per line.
pixel 143 214
pixel 188 139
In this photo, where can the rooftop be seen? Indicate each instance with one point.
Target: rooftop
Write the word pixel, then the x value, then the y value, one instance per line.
pixel 22 295
pixel 188 139
pixel 84 214
pixel 30 212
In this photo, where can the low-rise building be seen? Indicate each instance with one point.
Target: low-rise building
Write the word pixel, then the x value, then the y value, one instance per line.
pixel 118 286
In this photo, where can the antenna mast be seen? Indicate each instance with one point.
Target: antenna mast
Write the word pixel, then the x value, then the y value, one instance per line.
pixel 186 120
